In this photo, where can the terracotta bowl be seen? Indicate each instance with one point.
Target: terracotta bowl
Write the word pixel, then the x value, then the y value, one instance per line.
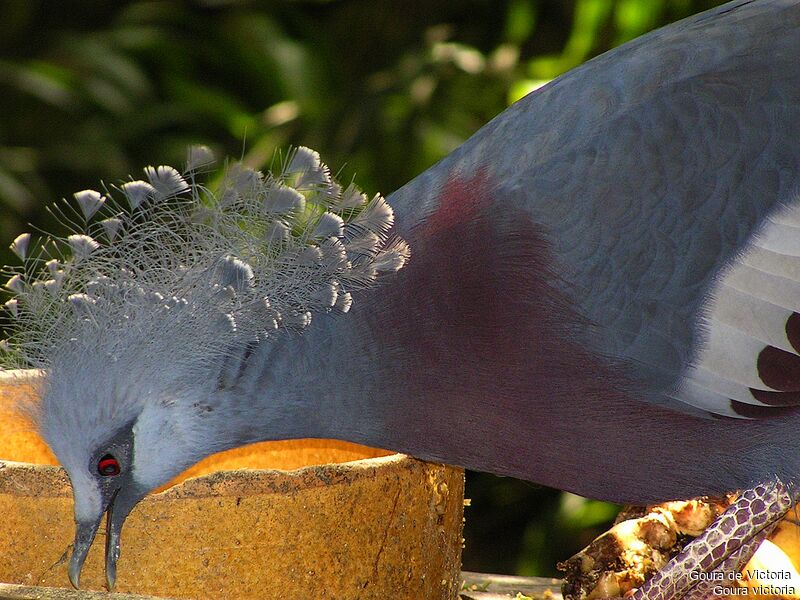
pixel 299 519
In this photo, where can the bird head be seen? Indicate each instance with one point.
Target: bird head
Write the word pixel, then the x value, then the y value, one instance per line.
pixel 140 314
pixel 120 431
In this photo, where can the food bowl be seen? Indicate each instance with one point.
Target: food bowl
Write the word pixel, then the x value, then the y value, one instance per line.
pixel 297 519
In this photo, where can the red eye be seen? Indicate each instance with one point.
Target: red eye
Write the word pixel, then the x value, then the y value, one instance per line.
pixel 108 466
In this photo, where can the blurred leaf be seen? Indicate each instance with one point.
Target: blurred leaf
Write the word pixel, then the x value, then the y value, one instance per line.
pixel 520 20
pixel 13 193
pixel 633 18
pixel 45 81
pixel 226 110
pixel 582 512
pixel 523 87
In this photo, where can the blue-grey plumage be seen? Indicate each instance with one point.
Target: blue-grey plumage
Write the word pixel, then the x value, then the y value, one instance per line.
pixel 609 280
pixel 600 297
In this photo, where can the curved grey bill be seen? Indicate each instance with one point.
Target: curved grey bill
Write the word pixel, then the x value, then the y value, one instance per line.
pixel 114 521
pixel 84 536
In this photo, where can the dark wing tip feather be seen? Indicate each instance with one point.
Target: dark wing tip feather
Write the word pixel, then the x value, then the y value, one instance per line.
pixel 779 369
pixel 793 330
pixel 753 411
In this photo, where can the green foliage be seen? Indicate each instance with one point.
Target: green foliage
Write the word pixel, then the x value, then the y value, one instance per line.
pixel 97 90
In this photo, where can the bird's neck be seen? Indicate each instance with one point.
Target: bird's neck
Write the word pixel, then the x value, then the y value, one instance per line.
pixel 310 385
pixel 472 356
pixel 443 357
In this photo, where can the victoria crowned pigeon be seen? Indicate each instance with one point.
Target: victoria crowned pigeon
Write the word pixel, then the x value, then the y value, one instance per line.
pixel 599 291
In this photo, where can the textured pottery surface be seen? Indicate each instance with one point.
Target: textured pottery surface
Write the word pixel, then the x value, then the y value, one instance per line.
pixel 377 527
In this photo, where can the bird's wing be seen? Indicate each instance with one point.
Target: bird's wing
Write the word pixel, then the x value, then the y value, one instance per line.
pixel 748 363
pixel 666 174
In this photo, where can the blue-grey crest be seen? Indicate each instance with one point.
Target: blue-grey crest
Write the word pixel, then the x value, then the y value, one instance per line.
pixel 144 315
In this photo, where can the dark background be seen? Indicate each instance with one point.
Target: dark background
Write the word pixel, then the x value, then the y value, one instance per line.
pixel 93 90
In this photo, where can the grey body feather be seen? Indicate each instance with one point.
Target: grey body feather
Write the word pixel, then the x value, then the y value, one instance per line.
pixel 649 167
pixel 649 170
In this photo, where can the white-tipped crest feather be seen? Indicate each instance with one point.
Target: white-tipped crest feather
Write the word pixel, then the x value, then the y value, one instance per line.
pixel 199 157
pixel 53 266
pixel 89 201
pixel 137 192
pixel 166 181
pixel 329 225
pixel 20 245
pixel 352 197
pixel 276 233
pixel 16 284
pixel 82 245
pixel 284 200
pixel 344 302
pixel 12 306
pixel 377 217
pixel 111 227
pixel 302 160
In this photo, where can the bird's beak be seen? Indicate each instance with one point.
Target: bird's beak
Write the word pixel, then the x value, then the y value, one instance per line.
pixel 115 517
pixel 117 511
pixel 84 536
